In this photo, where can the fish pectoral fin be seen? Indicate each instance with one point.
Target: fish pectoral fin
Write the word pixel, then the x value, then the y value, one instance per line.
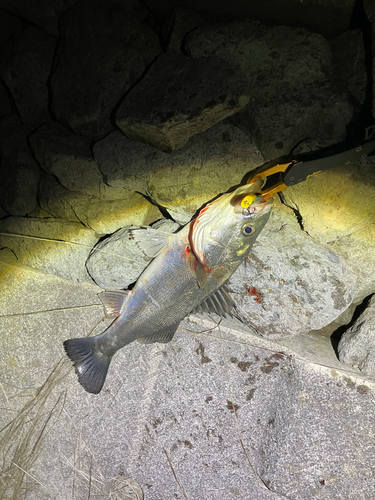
pixel 201 275
pixel 163 336
pixel 150 241
pixel 113 301
pixel 219 303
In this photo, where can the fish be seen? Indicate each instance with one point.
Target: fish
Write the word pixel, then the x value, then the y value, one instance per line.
pixel 188 273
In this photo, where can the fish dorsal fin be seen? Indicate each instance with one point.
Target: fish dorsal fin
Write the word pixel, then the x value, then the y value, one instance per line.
pixel 219 303
pixel 163 336
pixel 149 240
pixel 113 301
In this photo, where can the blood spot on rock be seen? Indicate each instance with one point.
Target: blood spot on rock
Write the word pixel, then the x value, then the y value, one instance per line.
pixel 200 351
pixel 232 406
pixel 255 293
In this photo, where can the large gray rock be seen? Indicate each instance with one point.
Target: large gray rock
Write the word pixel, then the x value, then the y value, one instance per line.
pixel 369 8
pixel 289 71
pixel 25 66
pixel 51 245
pixel 43 13
pixel 68 157
pixel 177 25
pixel 117 261
pixel 184 180
pixel 290 284
pixel 180 97
pixel 337 208
pixel 10 24
pixel 19 173
pixel 5 104
pixel 103 215
pixel 328 17
pixel 348 64
pixel 357 345
pixel 103 51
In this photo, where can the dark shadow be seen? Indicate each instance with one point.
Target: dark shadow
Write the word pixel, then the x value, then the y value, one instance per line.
pixel 339 332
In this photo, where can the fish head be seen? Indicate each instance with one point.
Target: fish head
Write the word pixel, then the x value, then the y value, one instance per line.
pixel 230 224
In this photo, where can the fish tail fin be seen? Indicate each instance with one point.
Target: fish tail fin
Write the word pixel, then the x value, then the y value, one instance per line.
pixel 90 364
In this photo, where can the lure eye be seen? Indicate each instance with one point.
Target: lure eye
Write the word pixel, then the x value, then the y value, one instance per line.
pixel 247 229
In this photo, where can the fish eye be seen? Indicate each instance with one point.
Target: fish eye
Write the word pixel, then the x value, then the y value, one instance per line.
pixel 247 229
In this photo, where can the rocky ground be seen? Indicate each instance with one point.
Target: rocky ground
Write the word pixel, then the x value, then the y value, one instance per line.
pixel 113 117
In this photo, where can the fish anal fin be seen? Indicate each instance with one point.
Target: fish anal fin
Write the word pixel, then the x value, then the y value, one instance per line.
pixel 150 241
pixel 113 301
pixel 163 336
pixel 218 302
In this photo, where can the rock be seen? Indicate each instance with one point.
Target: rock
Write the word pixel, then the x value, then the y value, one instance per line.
pixel 289 284
pixel 51 245
pixel 103 51
pixel 181 97
pixel 10 24
pixel 337 209
pixel 125 488
pixel 357 345
pixel 177 25
pixel 19 173
pixel 328 17
pixel 103 215
pixel 117 261
pixel 289 72
pixel 43 13
pixel 183 181
pixel 369 8
pixel 25 65
pixel 349 71
pixel 5 104
pixel 67 156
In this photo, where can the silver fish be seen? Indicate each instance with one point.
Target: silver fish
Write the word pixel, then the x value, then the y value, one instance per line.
pixel 188 273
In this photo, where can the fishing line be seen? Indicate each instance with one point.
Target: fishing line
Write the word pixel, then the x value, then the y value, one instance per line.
pixel 50 310
pixel 42 238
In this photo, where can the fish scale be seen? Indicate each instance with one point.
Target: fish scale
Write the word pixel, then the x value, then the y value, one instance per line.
pixel 188 269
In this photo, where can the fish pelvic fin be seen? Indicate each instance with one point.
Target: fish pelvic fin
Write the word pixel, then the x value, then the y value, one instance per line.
pixel 90 364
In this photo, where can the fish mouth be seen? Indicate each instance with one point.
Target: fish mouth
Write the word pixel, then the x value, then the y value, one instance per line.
pixel 260 206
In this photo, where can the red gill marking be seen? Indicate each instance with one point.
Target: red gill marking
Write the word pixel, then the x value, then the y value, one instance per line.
pixel 255 293
pixel 190 238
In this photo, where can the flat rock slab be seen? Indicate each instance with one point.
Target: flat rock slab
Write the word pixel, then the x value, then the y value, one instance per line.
pixel 103 51
pixel 52 245
pixel 217 413
pixel 180 97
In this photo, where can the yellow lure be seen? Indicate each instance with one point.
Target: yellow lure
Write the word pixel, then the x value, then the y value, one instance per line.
pixel 248 200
